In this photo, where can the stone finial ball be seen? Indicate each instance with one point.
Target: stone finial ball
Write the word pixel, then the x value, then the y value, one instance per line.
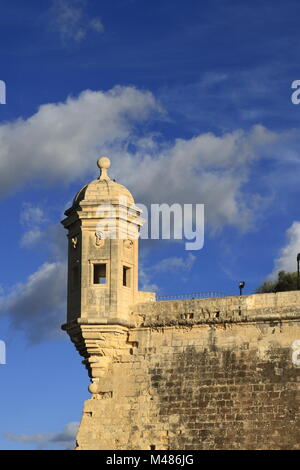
pixel 93 388
pixel 103 162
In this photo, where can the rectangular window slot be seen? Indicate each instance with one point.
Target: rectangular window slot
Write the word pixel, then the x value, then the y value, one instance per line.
pixel 126 276
pixel 100 273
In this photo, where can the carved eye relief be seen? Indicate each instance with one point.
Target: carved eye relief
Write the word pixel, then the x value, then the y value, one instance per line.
pixel 100 238
pixel 128 244
pixel 99 234
pixel 74 241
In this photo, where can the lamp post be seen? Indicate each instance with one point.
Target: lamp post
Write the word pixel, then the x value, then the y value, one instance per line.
pixel 298 271
pixel 242 285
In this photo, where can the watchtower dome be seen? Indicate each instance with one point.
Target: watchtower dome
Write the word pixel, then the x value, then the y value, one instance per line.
pixel 103 226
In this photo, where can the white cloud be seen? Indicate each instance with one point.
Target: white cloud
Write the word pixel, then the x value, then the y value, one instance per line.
pixel 287 259
pixel 166 265
pixel 175 263
pixel 61 141
pixel 38 306
pixel 71 21
pixel 206 169
pixel 32 215
pixel 97 25
pixel 64 439
pixel 223 98
pixel 30 237
pixel 145 281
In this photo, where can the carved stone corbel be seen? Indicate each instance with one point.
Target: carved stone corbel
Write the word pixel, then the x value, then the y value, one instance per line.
pixel 100 345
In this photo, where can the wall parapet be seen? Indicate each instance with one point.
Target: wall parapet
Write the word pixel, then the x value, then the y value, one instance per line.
pixel 278 306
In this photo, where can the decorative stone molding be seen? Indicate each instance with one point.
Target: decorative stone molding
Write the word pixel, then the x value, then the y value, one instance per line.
pixel 100 345
pixel 100 239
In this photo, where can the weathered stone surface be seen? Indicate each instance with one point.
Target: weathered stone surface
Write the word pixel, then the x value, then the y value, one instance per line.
pixel 219 373
pixel 199 387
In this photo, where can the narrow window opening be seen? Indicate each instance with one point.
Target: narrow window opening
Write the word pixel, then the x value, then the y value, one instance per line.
pixel 100 273
pixel 126 276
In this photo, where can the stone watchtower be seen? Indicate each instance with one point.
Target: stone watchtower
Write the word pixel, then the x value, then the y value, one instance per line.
pixel 210 373
pixel 103 227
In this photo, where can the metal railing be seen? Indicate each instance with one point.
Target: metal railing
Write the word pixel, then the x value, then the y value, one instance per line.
pixel 192 295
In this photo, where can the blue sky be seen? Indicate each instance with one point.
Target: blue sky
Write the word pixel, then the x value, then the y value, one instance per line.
pixel 192 102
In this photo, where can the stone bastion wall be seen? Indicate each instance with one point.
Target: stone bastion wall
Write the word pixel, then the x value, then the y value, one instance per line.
pixel 219 373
